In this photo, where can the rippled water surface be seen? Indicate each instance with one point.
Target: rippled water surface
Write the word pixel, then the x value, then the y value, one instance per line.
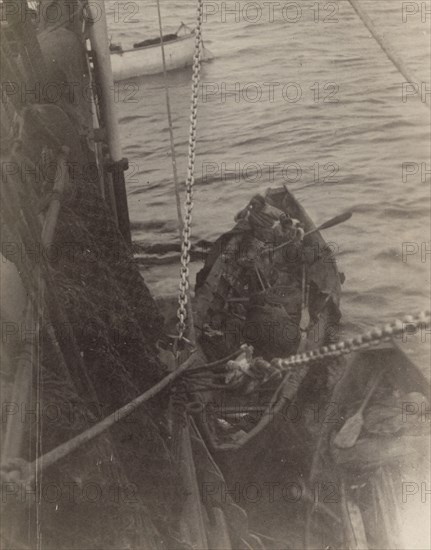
pixel 334 155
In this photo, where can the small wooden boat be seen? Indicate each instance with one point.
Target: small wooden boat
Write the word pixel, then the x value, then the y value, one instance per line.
pixel 241 288
pixel 258 297
pixel 378 484
pixel 145 58
pixel 276 442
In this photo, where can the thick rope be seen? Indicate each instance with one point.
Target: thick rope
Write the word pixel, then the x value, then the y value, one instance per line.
pixel 370 338
pixel 186 243
pixel 391 54
pixel 171 132
pixel 71 445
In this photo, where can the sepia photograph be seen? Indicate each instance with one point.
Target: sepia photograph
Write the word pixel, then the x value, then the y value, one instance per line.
pixel 215 274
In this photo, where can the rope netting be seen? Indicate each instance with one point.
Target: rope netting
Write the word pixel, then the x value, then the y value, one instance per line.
pixel 98 328
pixel 116 343
pixel 88 262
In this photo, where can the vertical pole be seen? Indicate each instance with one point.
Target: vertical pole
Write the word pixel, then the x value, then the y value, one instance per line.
pixel 100 45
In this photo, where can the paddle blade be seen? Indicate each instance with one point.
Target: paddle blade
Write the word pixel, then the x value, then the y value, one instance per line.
pixel 305 321
pixel 335 221
pixel 349 433
pixel 331 223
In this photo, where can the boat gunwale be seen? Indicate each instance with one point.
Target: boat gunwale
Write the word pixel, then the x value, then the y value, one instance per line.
pixel 179 39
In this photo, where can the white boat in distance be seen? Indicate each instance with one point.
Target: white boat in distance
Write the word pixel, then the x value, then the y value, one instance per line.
pixel 145 58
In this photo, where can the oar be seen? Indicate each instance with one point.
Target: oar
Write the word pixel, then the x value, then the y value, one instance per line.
pixel 305 315
pixel 330 223
pixel 349 433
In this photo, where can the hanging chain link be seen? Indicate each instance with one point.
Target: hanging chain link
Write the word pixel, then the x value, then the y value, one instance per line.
pixel 186 242
pixel 371 338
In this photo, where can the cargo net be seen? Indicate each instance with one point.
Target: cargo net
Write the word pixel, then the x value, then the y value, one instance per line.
pixel 122 490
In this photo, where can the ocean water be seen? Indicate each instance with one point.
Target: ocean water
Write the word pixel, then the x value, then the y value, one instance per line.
pixel 298 93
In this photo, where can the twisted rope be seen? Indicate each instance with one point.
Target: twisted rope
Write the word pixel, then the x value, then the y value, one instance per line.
pixel 63 450
pixel 370 338
pixel 170 125
pixel 387 48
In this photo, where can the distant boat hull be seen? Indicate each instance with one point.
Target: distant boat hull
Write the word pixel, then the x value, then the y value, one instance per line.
pixel 147 60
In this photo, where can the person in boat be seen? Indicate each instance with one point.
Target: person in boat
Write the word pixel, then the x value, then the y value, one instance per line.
pixel 290 229
pixel 288 244
pixel 273 313
pixel 249 292
pixel 274 237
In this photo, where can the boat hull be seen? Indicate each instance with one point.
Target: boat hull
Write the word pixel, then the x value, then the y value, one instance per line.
pixel 323 277
pixel 148 60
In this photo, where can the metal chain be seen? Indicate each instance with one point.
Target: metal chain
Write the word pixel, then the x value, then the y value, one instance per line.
pixel 370 338
pixel 186 242
pixel 363 341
